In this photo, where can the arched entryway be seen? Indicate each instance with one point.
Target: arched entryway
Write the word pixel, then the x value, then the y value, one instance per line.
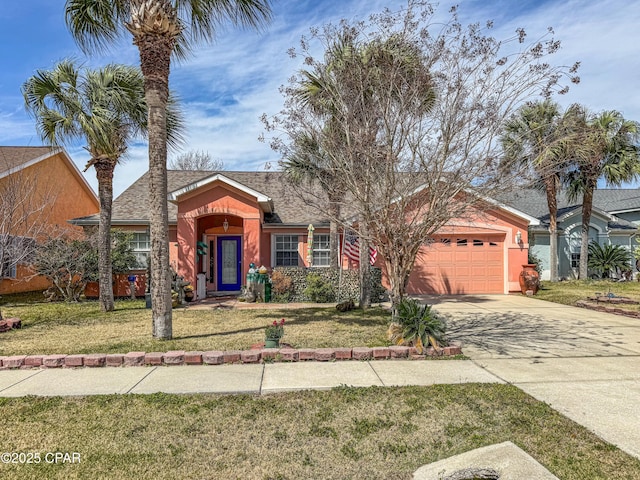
pixel 220 252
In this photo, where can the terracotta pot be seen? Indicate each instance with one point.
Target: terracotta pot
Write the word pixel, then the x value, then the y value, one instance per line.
pixel 529 279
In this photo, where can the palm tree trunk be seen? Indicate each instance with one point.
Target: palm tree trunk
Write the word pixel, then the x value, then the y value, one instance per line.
pixel 104 174
pixel 552 203
pixel 334 238
pixel 155 57
pixel 587 206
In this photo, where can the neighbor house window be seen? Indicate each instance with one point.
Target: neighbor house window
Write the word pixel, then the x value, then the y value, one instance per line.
pixel 575 260
pixel 141 248
pixel 286 251
pixel 321 251
pixel 14 250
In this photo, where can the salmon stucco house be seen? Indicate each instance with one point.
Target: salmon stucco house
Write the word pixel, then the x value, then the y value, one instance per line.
pixel 221 222
pixel 40 189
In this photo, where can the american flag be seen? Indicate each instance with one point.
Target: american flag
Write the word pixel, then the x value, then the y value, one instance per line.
pixel 352 249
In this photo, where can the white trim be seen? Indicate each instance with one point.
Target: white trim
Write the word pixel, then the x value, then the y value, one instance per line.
pixel 261 198
pixel 629 210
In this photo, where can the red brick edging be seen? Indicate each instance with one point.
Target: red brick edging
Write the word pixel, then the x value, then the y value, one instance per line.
pixel 216 357
pixel 607 308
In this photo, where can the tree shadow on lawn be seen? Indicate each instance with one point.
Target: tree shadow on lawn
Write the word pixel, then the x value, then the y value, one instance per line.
pixel 501 333
pixel 302 316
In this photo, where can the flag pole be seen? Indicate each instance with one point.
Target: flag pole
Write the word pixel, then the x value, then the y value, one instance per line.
pixel 340 253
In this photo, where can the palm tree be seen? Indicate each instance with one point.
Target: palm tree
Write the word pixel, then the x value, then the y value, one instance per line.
pixel 106 109
pixel 538 136
pixel 608 149
pixel 347 88
pixel 160 29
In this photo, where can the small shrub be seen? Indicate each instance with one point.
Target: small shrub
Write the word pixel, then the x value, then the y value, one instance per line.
pixel 318 289
pixel 280 283
pixel 417 325
pixel 608 258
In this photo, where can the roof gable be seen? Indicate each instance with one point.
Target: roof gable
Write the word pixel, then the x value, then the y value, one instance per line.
pixel 16 159
pixel 263 200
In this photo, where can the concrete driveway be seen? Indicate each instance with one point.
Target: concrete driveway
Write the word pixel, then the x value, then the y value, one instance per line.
pixel 584 364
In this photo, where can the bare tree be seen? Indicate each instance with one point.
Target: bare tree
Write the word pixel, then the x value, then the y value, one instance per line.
pixel 25 208
pixel 196 160
pixel 414 128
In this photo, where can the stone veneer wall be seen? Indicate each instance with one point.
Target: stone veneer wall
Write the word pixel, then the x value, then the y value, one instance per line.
pixel 350 286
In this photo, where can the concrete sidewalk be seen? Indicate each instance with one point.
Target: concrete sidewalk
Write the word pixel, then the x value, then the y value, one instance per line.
pixel 254 378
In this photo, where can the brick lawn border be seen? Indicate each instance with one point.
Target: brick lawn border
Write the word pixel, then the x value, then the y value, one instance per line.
pixel 180 357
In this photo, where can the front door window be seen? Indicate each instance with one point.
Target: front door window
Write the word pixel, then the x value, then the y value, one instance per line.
pixel 228 263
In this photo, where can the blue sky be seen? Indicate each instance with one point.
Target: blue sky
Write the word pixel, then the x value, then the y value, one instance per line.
pixel 226 86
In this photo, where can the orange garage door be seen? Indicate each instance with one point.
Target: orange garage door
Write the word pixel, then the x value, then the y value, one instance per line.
pixel 460 264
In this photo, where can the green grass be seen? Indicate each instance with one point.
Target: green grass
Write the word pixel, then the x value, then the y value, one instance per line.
pixel 68 328
pixel 359 433
pixel 568 293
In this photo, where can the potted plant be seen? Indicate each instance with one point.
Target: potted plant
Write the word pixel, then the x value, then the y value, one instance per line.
pixel 273 333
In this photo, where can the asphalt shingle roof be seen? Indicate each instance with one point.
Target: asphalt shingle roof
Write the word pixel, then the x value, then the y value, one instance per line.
pixel 132 205
pixel 13 157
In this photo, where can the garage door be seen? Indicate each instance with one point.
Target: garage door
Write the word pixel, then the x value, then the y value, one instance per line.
pixel 460 264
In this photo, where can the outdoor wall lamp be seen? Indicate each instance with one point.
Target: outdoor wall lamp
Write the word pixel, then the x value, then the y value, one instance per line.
pixel 225 224
pixel 519 237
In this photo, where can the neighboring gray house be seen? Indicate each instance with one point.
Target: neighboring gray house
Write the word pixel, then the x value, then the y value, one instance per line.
pixel 614 220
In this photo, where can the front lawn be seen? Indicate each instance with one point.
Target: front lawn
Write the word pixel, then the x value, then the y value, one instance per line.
pixel 569 292
pixel 345 433
pixel 66 328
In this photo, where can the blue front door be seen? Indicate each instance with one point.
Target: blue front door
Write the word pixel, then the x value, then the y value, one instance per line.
pixel 229 274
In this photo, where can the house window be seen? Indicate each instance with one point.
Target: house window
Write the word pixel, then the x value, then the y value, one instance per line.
pixel 286 250
pixel 321 251
pixel 141 248
pixel 15 250
pixel 462 242
pixel 575 260
pixel 8 270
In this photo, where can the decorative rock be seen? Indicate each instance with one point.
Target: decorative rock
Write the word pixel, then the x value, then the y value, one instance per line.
pixel 361 353
pixel 33 361
pixel 74 360
pixel 269 354
pixel 213 358
pixel 398 351
pixel 325 354
pixel 173 357
pixel 343 353
pixel 289 355
pixel 231 356
pixel 380 352
pixel 114 360
pixel 53 361
pixel 306 354
pixel 134 359
pixel 153 358
pixel 16 361
pixel 250 356
pixel 193 358
pixel 95 360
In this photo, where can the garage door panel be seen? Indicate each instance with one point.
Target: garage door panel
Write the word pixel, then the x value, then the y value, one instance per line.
pixel 462 264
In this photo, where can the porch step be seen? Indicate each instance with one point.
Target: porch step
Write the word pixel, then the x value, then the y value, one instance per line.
pixel 223 294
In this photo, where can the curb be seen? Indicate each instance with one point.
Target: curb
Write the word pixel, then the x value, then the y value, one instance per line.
pixel 217 357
